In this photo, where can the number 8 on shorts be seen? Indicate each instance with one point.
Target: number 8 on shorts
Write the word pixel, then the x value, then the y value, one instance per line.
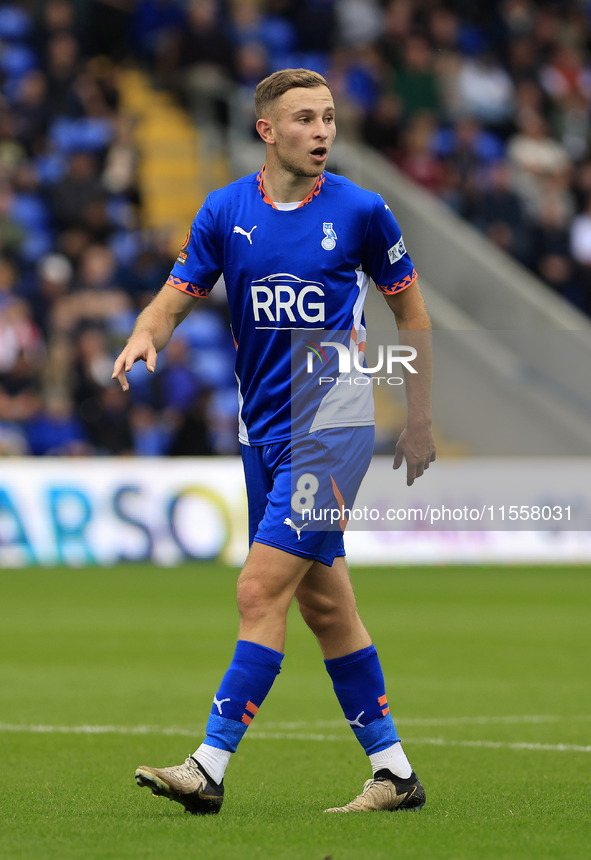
pixel 304 496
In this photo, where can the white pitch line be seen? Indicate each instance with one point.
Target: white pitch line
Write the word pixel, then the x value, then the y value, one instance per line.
pixel 482 721
pixel 439 742
pixel 442 742
pixel 284 735
pixel 97 730
pixel 443 721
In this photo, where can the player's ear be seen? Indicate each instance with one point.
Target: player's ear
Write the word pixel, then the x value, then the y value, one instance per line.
pixel 264 127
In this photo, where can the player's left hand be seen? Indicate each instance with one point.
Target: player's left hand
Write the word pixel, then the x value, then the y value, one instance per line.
pixel 140 346
pixel 417 447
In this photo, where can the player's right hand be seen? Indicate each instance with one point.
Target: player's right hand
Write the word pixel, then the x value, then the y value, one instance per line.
pixel 139 348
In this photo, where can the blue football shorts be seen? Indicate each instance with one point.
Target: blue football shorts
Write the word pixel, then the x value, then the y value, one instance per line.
pixel 299 491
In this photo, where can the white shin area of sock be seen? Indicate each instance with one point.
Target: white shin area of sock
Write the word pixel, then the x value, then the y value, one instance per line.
pixel 213 760
pixel 393 759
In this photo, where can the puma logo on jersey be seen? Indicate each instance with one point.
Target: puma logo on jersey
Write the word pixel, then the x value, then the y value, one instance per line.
pixel 244 233
pixel 357 721
pixel 218 703
pixel 298 529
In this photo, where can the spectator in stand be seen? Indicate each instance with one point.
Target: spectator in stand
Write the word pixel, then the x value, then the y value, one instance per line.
pixel 198 60
pixel 499 212
pixel 55 430
pixel 95 297
pixel 119 176
pixel 443 30
pixel 566 79
pixel 22 349
pixel 104 414
pixel 516 18
pixel 468 146
pixel 78 191
pixel 97 271
pixel 560 274
pixel 193 434
pixel 551 232
pixel 144 274
pixel 73 242
pixel 30 110
pixel 486 92
pixel 354 77
pixel 416 156
pixel 537 160
pixel 382 126
pixel 566 73
pixel 359 22
pixel 106 418
pixel 246 24
pixel 414 80
pixel 177 383
pixel 53 278
pixel 521 60
pixel 397 26
pixel 62 64
pixel 530 99
pixel 22 353
pixel 150 431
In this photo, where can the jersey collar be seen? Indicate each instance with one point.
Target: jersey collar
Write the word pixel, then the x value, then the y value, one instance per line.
pixel 308 199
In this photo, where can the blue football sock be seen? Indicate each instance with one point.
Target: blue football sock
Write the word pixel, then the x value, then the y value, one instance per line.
pixel 359 684
pixel 249 678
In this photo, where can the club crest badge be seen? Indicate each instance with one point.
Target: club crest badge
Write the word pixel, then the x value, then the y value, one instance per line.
pixel 330 237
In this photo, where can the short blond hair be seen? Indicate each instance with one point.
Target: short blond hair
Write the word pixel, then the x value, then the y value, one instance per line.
pixel 273 87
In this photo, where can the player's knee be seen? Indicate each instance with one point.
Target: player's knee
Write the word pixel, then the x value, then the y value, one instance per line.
pixel 255 600
pixel 321 614
pixel 249 597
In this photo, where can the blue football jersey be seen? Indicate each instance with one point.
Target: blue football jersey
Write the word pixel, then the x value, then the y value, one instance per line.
pixel 293 275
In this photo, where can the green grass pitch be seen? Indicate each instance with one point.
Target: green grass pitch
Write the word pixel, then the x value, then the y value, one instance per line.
pixel 487 673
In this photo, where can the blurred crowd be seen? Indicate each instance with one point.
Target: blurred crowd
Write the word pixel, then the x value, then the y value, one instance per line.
pixel 486 105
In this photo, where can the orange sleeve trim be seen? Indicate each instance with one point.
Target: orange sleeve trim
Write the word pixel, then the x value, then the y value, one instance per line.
pixel 252 708
pixel 398 286
pixel 246 719
pixel 383 700
pixel 188 287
